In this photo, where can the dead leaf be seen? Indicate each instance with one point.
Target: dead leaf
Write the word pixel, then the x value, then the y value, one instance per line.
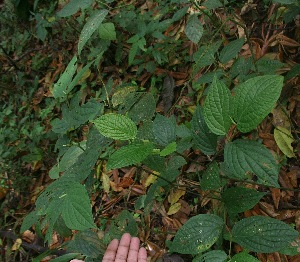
pixel 174 208
pixel 175 195
pixel 17 244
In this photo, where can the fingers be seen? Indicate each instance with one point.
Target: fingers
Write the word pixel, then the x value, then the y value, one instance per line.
pixel 142 256
pixel 133 250
pixel 110 253
pixel 127 250
pixel 123 248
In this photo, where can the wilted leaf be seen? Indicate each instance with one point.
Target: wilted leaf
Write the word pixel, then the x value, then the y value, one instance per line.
pixel 194 29
pixel 284 140
pixel 174 208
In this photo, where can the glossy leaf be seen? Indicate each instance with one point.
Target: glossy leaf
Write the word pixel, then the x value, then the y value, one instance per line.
pixel 90 27
pixel 198 234
pixel 240 199
pixel 203 138
pixel 217 108
pixel 212 256
pixel 211 179
pixel 243 257
pixel 129 155
pixel 255 99
pixel 246 158
pixel 263 234
pixel 116 126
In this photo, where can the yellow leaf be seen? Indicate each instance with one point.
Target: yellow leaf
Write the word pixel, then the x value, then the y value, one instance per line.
pixel 17 244
pixel 175 195
pixel 106 182
pixel 284 140
pixel 151 179
pixel 174 208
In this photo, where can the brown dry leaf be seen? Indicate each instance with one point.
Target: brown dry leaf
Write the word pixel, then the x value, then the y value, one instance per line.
pixel 125 182
pixel 286 41
pixel 268 209
pixel 286 214
pixel 281 118
pixel 28 236
pixel 276 195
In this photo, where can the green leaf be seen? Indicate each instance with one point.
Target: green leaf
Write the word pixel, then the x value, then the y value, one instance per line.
pixel 194 29
pixel 164 129
pixel 119 97
pixel 212 4
pixel 75 115
pixel 217 108
pixel 243 257
pixel 169 149
pixel 240 199
pixel 203 138
pixel 231 50
pixel 73 6
pixel 90 27
pixel 247 157
pixel 129 155
pixel 211 179
pixel 144 109
pixel 212 256
pixel 107 31
pixel 29 220
pixel 254 100
pixel 60 88
pixel 198 234
pixel 87 243
pixel 116 126
pixel 76 208
pixel 263 234
pixel 284 140
pixel 65 258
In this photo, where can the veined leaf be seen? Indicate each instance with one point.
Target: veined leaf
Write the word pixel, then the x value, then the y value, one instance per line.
pixel 129 155
pixel 76 208
pixel 254 100
pixel 73 6
pixel 116 126
pixel 217 108
pixel 240 199
pixel 212 256
pixel 60 88
pixel 203 138
pixel 231 50
pixel 284 140
pixel 211 179
pixel 90 27
pixel 194 29
pixel 245 158
pixel 107 31
pixel 263 234
pixel 243 257
pixel 164 130
pixel 198 234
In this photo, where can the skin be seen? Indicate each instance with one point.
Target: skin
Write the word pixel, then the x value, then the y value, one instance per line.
pixel 126 250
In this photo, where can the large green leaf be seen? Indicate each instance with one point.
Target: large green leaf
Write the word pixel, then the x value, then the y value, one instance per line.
pixel 263 234
pixel 116 126
pixel 194 29
pixel 129 155
pixel 198 234
pixel 73 6
pixel 254 100
pixel 231 50
pixel 245 158
pixel 89 28
pixel 217 108
pixel 60 88
pixel 203 138
pixel 240 199
pixel 164 129
pixel 243 257
pixel 87 243
pixel 212 256
pixel 76 208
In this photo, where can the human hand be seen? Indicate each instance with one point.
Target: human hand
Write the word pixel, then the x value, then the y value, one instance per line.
pixel 126 250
